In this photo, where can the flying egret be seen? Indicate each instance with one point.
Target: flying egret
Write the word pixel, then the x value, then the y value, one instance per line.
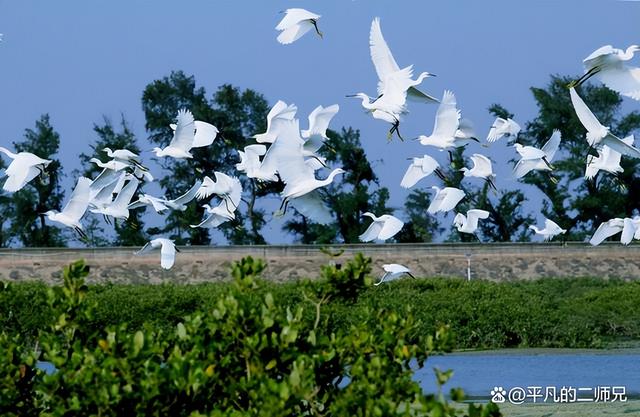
pixel 607 160
pixel 114 164
pixel 24 167
pixel 251 164
pixel 279 113
pixel 503 127
pixel 316 135
pixel 119 208
pixel 446 124
pixel 393 272
pixel 608 65
pixel 383 227
pixel 226 187
pixel 215 216
pixel 597 134
pixel 550 230
pixel 167 251
pixel 482 168
pixel 445 199
pixel 101 196
pixel 420 168
pixel 298 176
pixel 295 23
pixel 180 203
pixel 185 138
pixel 628 227
pixel 469 223
pixel 125 156
pixel 205 134
pixel 75 208
pixel 148 200
pixel 395 85
pixel 549 149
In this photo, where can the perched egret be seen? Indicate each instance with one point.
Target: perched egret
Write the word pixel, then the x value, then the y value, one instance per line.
pixel 24 167
pixel 597 134
pixel 503 127
pixel 549 149
pixel 469 223
pixel 226 187
pixel 550 230
pixel 607 160
pixel 420 168
pixel 445 199
pixel 279 113
pixel 608 65
pixel 75 208
pixel 392 272
pixel 482 168
pixel 167 251
pixel 629 227
pixel 295 23
pixel 383 227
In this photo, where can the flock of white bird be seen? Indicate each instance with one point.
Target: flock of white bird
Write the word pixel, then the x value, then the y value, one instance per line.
pixel 286 153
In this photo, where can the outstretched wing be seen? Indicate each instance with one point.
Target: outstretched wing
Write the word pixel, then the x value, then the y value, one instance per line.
pixel 372 232
pixel 523 167
pixel 185 131
pixel 392 225
pixel 446 200
pixel 474 215
pixel 205 134
pixel 606 230
pixel 295 32
pixel 625 80
pixel 586 117
pixel 447 117
pixel 381 55
pixel 497 129
pixel 311 206
pixel 551 146
pixel 79 200
pixel 189 195
pixel 294 16
pixel 167 254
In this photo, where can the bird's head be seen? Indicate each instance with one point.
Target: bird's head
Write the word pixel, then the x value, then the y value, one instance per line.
pixel 108 151
pixel 50 213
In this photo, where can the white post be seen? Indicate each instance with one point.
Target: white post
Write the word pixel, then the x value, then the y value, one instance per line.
pixel 468 255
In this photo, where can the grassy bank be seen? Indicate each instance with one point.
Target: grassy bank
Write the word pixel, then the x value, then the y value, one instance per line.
pixel 560 313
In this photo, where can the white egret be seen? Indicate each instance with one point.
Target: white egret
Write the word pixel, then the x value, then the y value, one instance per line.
pixel 628 227
pixel 445 199
pixel 125 156
pixel 550 230
pixel 608 65
pixel 469 223
pixel 119 208
pixel 279 113
pixel 101 196
pixel 23 168
pixel 114 164
pixel 383 227
pixel 482 168
pixel 446 124
pixel 158 204
pixel 226 187
pixel 75 208
pixel 205 134
pixel 549 149
pixel 184 137
pixel 251 164
pixel 597 134
pixel 295 23
pixel 503 127
pixel 607 160
pixel 420 168
pixel 316 135
pixel 215 216
pixel 393 272
pixel 180 203
pixel 167 251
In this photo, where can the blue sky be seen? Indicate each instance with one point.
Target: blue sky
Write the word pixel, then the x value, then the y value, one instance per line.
pixel 79 60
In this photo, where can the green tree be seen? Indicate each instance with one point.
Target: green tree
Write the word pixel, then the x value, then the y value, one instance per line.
pixel 131 232
pixel 348 196
pixel 238 114
pixel 575 203
pixel 420 227
pixel 41 194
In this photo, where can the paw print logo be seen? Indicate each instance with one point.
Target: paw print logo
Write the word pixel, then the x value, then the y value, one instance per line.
pixel 498 395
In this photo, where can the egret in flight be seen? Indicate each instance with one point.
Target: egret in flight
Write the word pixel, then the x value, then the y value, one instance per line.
pixel 607 160
pixel 629 227
pixel 167 251
pixel 75 208
pixel 445 199
pixel 608 64
pixel 503 127
pixel 469 223
pixel 550 230
pixel 295 23
pixel 482 168
pixel 543 163
pixel 186 136
pixel 383 227
pixel 420 168
pixel 597 134
pixel 24 167
pixel 279 113
pixel 393 272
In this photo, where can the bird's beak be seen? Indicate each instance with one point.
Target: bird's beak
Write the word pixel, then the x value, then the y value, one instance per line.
pixel 350 95
pixel 178 250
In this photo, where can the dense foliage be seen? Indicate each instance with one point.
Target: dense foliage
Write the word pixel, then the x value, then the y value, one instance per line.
pixel 246 351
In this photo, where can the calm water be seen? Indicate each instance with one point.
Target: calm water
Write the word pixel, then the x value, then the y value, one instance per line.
pixel 478 373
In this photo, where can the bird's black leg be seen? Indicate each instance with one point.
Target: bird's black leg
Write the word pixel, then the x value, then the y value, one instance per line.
pixel 315 25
